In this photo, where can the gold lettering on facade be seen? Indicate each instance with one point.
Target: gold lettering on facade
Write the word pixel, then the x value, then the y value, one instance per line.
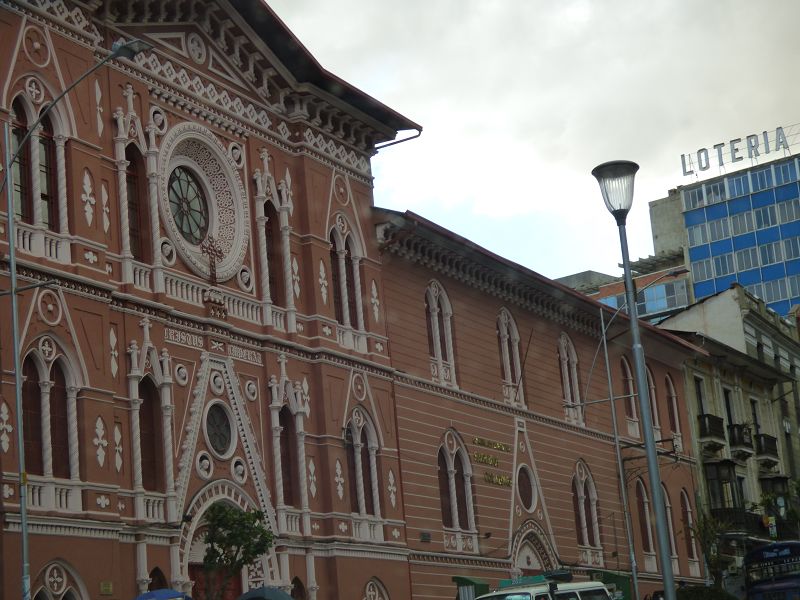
pixel 478 441
pixel 493 478
pixel 486 459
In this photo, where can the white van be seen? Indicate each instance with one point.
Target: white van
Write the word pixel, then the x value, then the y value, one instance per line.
pixel 585 590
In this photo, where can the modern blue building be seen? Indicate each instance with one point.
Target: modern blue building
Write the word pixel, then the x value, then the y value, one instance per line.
pixel 743 227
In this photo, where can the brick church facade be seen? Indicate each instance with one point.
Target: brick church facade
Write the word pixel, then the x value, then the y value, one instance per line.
pixel 226 317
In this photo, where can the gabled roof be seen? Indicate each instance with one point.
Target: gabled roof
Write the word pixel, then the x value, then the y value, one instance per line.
pixel 305 68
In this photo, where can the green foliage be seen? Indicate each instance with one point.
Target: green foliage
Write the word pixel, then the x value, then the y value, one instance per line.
pixel 708 531
pixel 699 592
pixel 234 540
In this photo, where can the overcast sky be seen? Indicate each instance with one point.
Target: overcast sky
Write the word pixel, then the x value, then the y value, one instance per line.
pixel 520 99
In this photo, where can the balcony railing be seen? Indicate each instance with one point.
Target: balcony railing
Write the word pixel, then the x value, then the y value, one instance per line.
pixel 712 431
pixel 741 439
pixel 739 519
pixel 766 445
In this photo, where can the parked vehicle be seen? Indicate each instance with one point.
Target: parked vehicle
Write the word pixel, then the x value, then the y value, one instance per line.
pixel 550 590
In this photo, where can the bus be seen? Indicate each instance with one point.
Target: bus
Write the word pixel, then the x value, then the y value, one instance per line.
pixel 772 572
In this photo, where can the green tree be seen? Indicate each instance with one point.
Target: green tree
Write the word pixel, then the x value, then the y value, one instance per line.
pixel 708 532
pixel 234 540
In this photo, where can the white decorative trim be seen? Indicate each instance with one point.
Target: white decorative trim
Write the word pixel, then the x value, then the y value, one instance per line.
pixel 374 301
pixel 99 441
pixel 181 374
pixel 103 501
pixel 392 489
pixel 312 478
pixel 114 352
pixel 217 382
pixel 5 427
pixel 238 470
pixel 339 479
pixel 106 211
pixel 98 103
pixel 251 390
pixel 323 283
pixel 204 465
pixel 295 277
pixel 87 197
pixel 117 447
pixel 8 491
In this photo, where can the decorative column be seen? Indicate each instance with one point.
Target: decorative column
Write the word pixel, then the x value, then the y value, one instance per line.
pixel 283 561
pixel 470 505
pixel 263 261
pixel 517 370
pixel 166 428
pixel 311 576
pixel 291 311
pixel 142 575
pixel 36 188
pixel 340 258
pixel 152 185
pixel 362 508
pixel 436 335
pixel 581 512
pixel 451 481
pixel 47 444
pixel 61 174
pixel 176 580
pixel 373 473
pixel 508 379
pixel 72 434
pixel 136 441
pixel 122 193
pixel 570 405
pixel 301 470
pixel 357 291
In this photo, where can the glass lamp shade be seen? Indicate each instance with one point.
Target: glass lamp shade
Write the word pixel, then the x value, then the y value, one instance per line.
pixel 616 184
pixel 130 48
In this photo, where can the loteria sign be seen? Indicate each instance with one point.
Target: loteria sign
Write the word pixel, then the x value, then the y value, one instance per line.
pixel 734 151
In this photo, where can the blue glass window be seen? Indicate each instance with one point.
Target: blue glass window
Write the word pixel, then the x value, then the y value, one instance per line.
pixel 715 192
pixel 789 210
pixel 775 290
pixel 791 248
pixel 746 259
pixel 718 229
pixel 702 270
pixel 738 185
pixel 723 265
pixel 761 179
pixel 765 216
pixel 770 253
pixel 785 173
pixel 693 198
pixel 698 235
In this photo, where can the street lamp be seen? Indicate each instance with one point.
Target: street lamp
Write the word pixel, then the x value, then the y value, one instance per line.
pixel 616 184
pixel 119 50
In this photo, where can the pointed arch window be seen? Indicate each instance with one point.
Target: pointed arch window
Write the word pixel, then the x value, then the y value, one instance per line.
pixel 645 525
pixel 439 319
pixel 670 527
pixel 150 436
pixel 361 445
pixel 288 444
pixel 585 507
pixel 628 388
pixel 138 221
pixel 651 389
pixel 511 367
pixel 672 405
pixel 21 171
pixel 59 424
pixel 32 418
pixel 688 526
pixel 48 184
pixel 456 490
pixel 272 227
pixel 345 256
pixel 570 387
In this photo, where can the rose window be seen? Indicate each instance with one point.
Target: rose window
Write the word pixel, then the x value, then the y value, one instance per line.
pixel 218 429
pixel 188 205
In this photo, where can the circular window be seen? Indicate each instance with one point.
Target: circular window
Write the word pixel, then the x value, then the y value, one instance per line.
pixel 219 430
pixel 525 488
pixel 188 205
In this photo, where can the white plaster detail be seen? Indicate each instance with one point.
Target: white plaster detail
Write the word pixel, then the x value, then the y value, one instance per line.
pixel 339 152
pixel 103 501
pixel 90 257
pixel 374 301
pixel 5 427
pixel 238 470
pixel 312 478
pixel 343 527
pixel 99 441
pixel 87 197
pixel 392 489
pixel 56 579
pixel 112 340
pixel 245 279
pixel 117 447
pixel 300 327
pixel 359 387
pixel 120 506
pixel 217 345
pixel 181 374
pixel 339 480
pixel 35 90
pixel 197 48
pixel 283 129
pixel 167 252
pixel 98 103
pixel 251 390
pixel 106 209
pixel 204 465
pixel 236 154
pixel 326 329
pixel 217 383
pixel 36 47
pixel 379 346
pixel 295 277
pixel 8 491
pixel 158 119
pixel 49 307
pixel 315 526
pixel 396 533
pixel 47 347
pixel 323 283
pixel 72 17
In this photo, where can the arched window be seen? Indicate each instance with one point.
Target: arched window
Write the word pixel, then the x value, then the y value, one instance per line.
pixel 688 526
pixel 157 580
pixel 570 387
pixel 439 319
pixel 59 424
pixel 288 442
pixel 32 418
pixel 668 510
pixel 585 507
pixel 346 277
pixel 643 508
pixel 361 444
pixel 511 367
pixel 136 184
pixel 150 436
pixel 298 589
pixel 672 406
pixel 456 490
pixel 277 290
pixel 628 388
pixel 651 387
pixel 352 293
pixel 336 280
pixel 20 170
pixel 48 184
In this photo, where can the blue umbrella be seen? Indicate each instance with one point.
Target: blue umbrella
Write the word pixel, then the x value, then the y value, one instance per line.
pixel 265 593
pixel 163 595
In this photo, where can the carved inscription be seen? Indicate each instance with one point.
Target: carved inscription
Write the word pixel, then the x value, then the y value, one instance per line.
pixel 184 338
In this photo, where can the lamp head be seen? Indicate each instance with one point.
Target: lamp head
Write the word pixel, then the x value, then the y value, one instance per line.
pixel 129 49
pixel 616 185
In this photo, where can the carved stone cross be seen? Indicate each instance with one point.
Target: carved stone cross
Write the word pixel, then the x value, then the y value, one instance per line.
pixel 211 248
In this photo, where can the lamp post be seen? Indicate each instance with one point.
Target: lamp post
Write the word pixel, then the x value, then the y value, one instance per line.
pixel 616 184
pixel 119 50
